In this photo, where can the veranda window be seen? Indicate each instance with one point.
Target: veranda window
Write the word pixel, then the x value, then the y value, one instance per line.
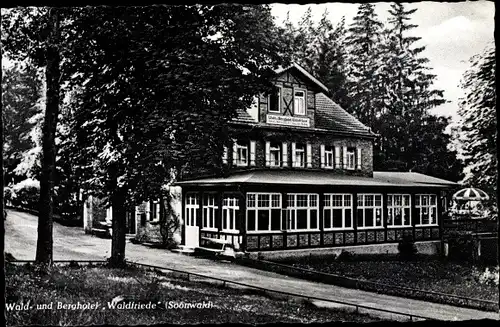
pixel 337 212
pixel 303 211
pixel 230 213
pixel 369 210
pixel 263 212
pixel 210 208
pixel 191 209
pixel 426 209
pixel 398 210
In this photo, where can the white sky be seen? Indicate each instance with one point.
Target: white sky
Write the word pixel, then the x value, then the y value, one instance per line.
pixel 452 31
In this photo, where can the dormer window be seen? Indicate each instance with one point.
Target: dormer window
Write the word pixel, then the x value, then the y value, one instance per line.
pixel 274 101
pixel 299 102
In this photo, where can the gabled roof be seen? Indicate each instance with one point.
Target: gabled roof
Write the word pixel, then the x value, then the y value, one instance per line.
pixel 329 115
pixel 323 178
pixel 305 73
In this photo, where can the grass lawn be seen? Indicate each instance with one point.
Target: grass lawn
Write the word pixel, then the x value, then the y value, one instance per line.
pixel 425 273
pixel 87 286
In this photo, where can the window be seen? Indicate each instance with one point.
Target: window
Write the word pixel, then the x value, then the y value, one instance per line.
pixel 192 206
pixel 369 210
pixel 299 102
pixel 155 211
pixel 328 157
pixel 337 212
pixel 274 100
pixel 274 154
pixel 426 209
pixel 240 153
pixel 230 213
pixel 299 156
pixel 263 212
pixel 350 158
pixel 302 211
pixel 210 208
pixel 398 210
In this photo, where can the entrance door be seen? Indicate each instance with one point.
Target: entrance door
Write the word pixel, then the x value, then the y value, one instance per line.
pixel 192 231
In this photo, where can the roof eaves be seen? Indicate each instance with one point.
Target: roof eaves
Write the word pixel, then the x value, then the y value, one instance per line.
pixel 368 133
pixel 305 73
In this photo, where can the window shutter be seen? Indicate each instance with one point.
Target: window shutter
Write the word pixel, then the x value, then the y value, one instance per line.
pixel 284 151
pixel 252 153
pixel 224 155
pixel 294 163
pixel 358 158
pixel 309 155
pixel 268 152
pixel 337 157
pixel 235 152
pixel 322 155
pixel 344 157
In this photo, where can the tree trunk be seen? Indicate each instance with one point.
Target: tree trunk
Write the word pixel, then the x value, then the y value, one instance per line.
pixel 119 229
pixel 44 249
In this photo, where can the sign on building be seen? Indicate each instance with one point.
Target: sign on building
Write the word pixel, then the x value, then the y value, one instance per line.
pixel 288 120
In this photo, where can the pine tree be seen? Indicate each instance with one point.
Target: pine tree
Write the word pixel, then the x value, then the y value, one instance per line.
pixel 363 62
pixel 411 138
pixel 478 124
pixel 320 49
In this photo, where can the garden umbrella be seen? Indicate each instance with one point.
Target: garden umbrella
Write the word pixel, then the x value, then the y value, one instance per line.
pixel 470 194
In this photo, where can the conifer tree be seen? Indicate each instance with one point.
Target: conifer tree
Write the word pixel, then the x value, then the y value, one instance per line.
pixel 363 42
pixel 477 129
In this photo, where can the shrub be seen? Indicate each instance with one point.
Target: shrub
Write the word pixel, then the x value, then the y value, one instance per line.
pixel 460 246
pixel 8 194
pixel 488 277
pixel 345 256
pixel 407 249
pixel 26 194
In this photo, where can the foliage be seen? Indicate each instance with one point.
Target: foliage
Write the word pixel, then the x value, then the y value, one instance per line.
pixel 170 220
pixel 345 256
pixel 25 194
pixel 21 102
pixel 364 60
pixel 488 277
pixel 407 248
pixel 477 129
pixel 320 49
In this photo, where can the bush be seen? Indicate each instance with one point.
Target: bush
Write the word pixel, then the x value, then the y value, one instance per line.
pixel 26 194
pixel 488 277
pixel 407 249
pixel 345 256
pixel 460 246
